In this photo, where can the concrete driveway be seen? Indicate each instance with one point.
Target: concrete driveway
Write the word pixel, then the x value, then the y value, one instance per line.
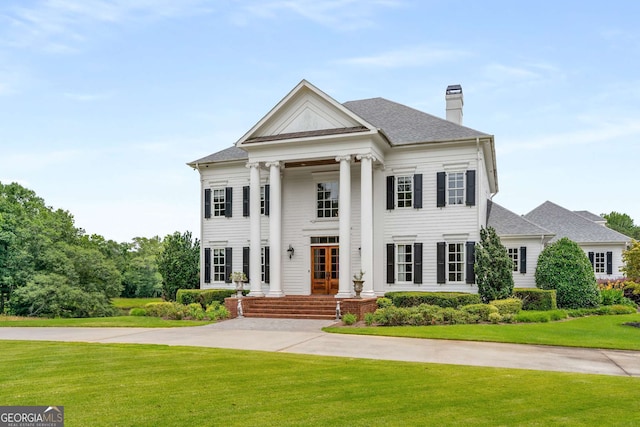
pixel 306 337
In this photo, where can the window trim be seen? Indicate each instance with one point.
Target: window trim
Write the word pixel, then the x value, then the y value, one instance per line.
pixel 333 210
pixel 410 264
pixel 462 187
pixel 221 255
pixel 514 255
pixel 407 195
pixel 461 262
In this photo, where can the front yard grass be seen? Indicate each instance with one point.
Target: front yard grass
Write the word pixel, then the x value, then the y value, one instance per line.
pixel 592 331
pixel 151 385
pixel 100 322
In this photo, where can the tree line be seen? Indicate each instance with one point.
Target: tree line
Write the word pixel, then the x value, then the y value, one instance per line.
pixel 49 267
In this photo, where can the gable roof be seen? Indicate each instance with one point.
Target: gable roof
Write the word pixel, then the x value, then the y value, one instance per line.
pixel 565 223
pixel 591 216
pixel 405 125
pixel 226 155
pixel 508 223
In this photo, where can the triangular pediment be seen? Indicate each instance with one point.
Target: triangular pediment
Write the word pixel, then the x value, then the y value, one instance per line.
pixel 306 111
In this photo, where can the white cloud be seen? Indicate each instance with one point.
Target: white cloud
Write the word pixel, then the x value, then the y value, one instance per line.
pixel 62 26
pixel 414 56
pixel 345 15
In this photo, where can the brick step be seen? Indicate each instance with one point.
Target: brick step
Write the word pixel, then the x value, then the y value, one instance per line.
pixel 291 316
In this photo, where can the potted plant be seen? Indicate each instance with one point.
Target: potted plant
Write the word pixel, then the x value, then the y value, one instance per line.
pixel 357 283
pixel 239 278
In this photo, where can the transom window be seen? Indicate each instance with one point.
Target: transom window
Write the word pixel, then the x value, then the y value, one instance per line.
pixel 327 199
pixel 513 254
pixel 325 240
pixel 404 191
pixel 218 201
pixel 456 261
pixel 218 264
pixel 455 186
pixel 599 263
pixel 404 261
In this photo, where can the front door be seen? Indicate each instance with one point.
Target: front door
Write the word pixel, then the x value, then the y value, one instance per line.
pixel 324 270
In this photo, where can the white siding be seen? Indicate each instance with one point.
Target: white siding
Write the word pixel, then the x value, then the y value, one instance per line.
pixel 534 247
pixel 616 258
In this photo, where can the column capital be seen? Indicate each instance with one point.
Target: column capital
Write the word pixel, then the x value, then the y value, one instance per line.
pixel 367 156
pixel 273 164
pixel 250 165
pixel 343 158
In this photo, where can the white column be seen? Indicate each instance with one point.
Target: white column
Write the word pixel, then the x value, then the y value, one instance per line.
pixel 366 223
pixel 344 213
pixel 275 230
pixel 255 260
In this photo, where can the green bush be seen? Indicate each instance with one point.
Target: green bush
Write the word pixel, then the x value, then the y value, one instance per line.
pixel 495 317
pixel 536 299
pixel 422 315
pixel 615 309
pixel 204 296
pixel 217 311
pixel 564 266
pixel 384 302
pixel 349 318
pixel 166 310
pixel 441 299
pixel 137 311
pixel 392 316
pixel 508 306
pixel 481 310
pixel 632 291
pixel 535 316
pixel 195 311
pixel 369 319
pixel 493 267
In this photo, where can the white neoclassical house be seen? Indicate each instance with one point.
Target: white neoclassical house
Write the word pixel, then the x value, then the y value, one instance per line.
pixel 318 191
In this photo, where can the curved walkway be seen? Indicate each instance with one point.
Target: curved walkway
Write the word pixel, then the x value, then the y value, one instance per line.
pixel 306 337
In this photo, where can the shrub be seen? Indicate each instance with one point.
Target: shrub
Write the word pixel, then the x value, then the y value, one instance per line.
pixel 166 310
pixel 615 309
pixel 204 296
pixel 384 302
pixel 368 319
pixel 563 266
pixel 458 317
pixel 349 318
pixel 137 311
pixel 217 311
pixel 536 316
pixel 495 317
pixel 493 267
pixel 536 299
pixel 441 299
pixel 611 296
pixel 426 314
pixel 632 291
pixel 631 259
pixel 195 311
pixel 508 306
pixel 481 310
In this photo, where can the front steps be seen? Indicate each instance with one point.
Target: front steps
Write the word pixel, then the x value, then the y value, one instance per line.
pixel 291 307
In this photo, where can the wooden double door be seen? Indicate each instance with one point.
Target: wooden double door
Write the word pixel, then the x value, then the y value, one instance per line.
pixel 324 270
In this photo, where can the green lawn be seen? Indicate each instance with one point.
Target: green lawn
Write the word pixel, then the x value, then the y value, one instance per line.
pixel 151 385
pixel 101 322
pixel 592 331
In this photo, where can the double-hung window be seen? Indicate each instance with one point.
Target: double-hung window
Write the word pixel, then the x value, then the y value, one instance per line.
pixel 404 262
pixel 455 188
pixel 599 262
pixel 404 191
pixel 327 199
pixel 218 202
pixel 218 264
pixel 455 264
pixel 513 254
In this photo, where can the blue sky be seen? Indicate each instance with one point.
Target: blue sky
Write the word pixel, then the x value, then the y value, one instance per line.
pixel 102 102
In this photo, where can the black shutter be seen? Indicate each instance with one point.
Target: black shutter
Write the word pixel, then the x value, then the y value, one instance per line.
pixel 609 262
pixel 523 259
pixel 245 200
pixel 391 192
pixel 591 259
pixel 471 188
pixel 207 265
pixel 228 202
pixel 245 261
pixel 228 260
pixel 267 198
pixel 267 265
pixel 471 260
pixel 441 187
pixel 440 259
pixel 207 203
pixel 391 260
pixel 417 191
pixel 417 263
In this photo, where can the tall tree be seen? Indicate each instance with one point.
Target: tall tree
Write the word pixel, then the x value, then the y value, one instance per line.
pixel 493 267
pixel 622 223
pixel 631 258
pixel 179 264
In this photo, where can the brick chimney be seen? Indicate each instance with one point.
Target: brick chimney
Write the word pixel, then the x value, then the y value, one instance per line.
pixel 454 100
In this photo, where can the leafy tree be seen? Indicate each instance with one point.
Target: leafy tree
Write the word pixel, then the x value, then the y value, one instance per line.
pixel 493 267
pixel 565 267
pixel 631 258
pixel 622 223
pixel 142 279
pixel 179 264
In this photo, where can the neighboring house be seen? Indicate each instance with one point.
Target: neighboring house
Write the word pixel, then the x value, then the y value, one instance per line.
pixel 602 245
pixel 317 191
pixel 523 239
